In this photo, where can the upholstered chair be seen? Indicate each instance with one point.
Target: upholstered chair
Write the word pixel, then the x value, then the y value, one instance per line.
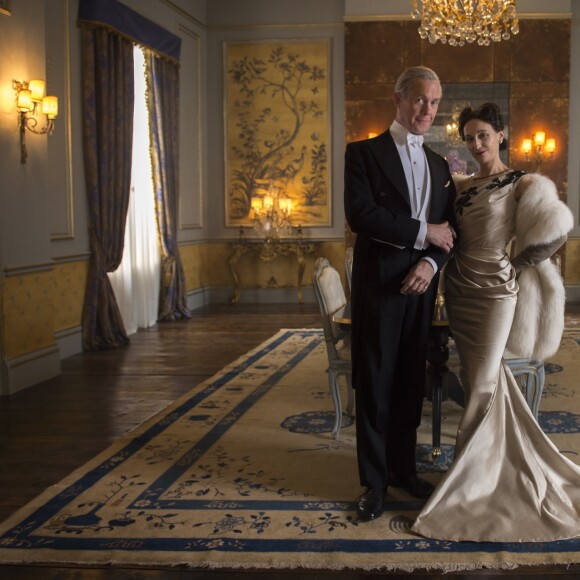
pixel 331 300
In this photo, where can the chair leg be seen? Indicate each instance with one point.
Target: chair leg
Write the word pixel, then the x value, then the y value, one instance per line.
pixel 436 396
pixel 531 380
pixel 350 395
pixel 539 389
pixel 334 391
pixel 534 388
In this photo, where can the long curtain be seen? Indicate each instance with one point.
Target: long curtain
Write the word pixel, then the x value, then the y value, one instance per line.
pixel 136 280
pixel 163 81
pixel 108 95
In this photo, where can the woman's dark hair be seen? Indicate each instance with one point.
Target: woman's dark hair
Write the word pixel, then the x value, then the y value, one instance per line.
pixel 488 113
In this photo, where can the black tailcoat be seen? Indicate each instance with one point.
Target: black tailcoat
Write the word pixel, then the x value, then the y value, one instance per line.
pixel 389 330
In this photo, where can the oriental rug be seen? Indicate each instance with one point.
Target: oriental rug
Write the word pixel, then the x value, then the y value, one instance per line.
pixel 241 472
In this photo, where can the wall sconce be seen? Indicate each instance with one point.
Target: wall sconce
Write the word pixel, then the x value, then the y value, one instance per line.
pixel 30 104
pixel 538 148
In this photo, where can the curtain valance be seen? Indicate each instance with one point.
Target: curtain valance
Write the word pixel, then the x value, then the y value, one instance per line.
pixel 125 21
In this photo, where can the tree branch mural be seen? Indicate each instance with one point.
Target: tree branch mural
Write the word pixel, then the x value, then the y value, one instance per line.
pixel 277 127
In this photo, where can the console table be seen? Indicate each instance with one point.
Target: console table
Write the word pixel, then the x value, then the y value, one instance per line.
pixel 267 250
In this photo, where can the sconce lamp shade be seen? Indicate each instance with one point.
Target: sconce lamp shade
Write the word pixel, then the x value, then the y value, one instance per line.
pixel 50 107
pixel 36 87
pixel 550 145
pixel 539 137
pixel 527 145
pixel 24 101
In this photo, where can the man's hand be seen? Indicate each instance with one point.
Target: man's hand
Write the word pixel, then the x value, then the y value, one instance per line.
pixel 418 279
pixel 440 235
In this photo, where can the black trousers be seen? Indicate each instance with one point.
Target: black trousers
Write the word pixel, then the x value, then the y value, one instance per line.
pixel 391 332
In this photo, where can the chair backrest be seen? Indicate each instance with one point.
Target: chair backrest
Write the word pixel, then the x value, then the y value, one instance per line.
pixel 331 298
pixel 348 265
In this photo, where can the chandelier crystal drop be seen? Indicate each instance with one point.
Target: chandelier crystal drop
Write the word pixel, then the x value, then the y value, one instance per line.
pixel 457 22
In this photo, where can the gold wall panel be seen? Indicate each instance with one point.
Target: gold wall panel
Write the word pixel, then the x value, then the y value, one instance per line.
pixel 541 52
pixel 70 280
pixel 380 51
pixel 205 264
pixel 467 64
pixel 28 312
pixel 573 262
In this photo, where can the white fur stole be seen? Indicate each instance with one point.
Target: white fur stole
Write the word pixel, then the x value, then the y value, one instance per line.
pixel 539 318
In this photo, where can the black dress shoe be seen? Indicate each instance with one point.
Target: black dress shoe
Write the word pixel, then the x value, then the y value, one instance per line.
pixel 371 504
pixel 412 485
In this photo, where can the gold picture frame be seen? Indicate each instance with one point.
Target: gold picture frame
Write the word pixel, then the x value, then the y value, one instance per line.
pixel 277 127
pixel 6 7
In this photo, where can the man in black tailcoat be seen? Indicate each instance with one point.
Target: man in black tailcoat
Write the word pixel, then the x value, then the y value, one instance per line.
pixel 398 200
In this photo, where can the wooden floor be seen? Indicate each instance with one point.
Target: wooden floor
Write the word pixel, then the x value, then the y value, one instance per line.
pixel 51 429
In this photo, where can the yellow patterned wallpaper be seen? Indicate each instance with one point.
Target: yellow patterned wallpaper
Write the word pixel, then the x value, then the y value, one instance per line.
pixel 28 314
pixel 572 262
pixel 38 304
pixel 70 279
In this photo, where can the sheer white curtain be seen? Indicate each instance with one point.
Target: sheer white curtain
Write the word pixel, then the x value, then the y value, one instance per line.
pixel 136 280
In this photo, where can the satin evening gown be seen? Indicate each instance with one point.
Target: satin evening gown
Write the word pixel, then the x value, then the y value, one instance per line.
pixel 508 481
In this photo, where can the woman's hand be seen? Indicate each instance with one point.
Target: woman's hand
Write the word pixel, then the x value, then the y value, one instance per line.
pixel 440 235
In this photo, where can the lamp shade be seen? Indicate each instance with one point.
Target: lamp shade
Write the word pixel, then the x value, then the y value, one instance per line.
pixel 550 145
pixel 24 100
pixel 526 145
pixel 50 107
pixel 36 87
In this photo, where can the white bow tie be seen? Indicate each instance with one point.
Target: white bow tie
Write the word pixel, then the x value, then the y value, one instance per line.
pixel 415 140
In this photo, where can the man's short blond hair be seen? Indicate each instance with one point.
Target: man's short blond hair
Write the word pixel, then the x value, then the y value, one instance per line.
pixel 411 74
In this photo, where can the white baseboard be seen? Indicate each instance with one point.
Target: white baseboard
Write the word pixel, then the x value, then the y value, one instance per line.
pixel 222 295
pixel 31 369
pixel 69 341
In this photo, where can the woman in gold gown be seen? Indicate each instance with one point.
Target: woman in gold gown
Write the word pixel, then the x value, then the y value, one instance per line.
pixel 508 482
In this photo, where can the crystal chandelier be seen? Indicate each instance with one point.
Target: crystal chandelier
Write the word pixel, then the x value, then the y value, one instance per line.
pixel 459 21
pixel 271 211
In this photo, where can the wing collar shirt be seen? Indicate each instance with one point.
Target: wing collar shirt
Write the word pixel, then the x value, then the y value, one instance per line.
pixel 410 148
